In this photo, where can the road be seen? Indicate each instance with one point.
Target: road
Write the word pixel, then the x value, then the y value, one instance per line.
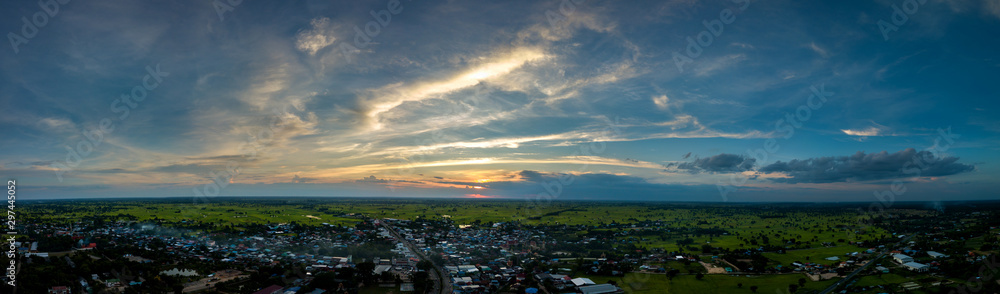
pixel 443 284
pixel 862 268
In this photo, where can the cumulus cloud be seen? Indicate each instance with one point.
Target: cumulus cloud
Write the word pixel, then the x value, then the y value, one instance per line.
pixel 722 163
pixel 864 167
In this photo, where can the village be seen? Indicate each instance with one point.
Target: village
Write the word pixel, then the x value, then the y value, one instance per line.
pixel 438 255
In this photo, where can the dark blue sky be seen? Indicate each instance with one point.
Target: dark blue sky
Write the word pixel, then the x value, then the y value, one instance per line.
pixel 655 100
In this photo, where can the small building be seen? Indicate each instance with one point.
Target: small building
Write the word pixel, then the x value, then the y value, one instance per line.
pixel 582 282
pixel 902 258
pixel 600 289
pixel 882 269
pixel 917 267
pixel 935 254
pixel 60 290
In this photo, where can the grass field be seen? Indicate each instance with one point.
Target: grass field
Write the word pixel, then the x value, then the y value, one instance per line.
pixel 657 283
pixel 815 255
pixel 884 280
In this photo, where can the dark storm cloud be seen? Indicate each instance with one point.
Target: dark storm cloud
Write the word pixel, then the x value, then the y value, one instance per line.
pixel 864 167
pixel 722 163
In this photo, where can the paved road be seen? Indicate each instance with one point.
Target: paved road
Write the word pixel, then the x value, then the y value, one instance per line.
pixel 443 284
pixel 862 268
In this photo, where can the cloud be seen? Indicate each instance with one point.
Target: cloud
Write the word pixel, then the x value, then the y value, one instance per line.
pixel 318 36
pixel 298 179
pixel 57 124
pixel 392 96
pixel 661 101
pixel 722 163
pixel 530 175
pixel 869 132
pixel 862 134
pixel 822 52
pixel 372 180
pixel 866 167
pixel 711 66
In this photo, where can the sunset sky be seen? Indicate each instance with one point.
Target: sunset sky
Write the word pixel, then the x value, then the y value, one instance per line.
pixel 614 100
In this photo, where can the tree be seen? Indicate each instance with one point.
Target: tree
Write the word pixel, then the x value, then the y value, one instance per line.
pixel 753 289
pixel 740 285
pixel 421 281
pixel 699 276
pixel 792 288
pixel 366 271
pixel 425 265
pixel 802 282
pixel 672 273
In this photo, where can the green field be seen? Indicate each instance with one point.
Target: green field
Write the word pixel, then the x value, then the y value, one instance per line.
pixel 815 255
pixel 884 280
pixel 658 283
pixel 224 213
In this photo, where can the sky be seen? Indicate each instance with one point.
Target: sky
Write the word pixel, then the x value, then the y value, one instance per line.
pixel 678 100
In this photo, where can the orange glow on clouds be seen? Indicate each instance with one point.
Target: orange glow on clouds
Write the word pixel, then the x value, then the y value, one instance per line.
pixel 478 196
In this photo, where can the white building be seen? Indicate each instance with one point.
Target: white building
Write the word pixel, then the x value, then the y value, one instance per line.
pixel 935 254
pixel 917 267
pixel 582 282
pixel 902 258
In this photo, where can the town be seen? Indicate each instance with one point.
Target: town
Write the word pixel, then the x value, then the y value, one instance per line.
pixel 321 246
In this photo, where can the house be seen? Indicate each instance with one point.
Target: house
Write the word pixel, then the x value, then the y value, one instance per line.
pixel 935 254
pixel 582 282
pixel 917 267
pixel 902 258
pixel 600 289
pixel 60 290
pixel 882 269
